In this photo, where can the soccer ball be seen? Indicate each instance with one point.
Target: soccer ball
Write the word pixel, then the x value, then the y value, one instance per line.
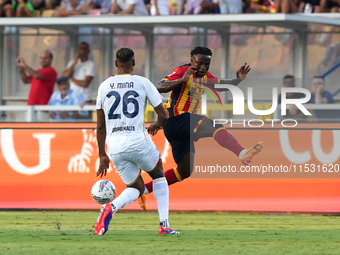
pixel 103 191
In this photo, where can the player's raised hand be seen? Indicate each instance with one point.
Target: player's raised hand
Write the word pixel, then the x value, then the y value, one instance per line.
pixel 104 164
pixel 243 71
pixel 191 70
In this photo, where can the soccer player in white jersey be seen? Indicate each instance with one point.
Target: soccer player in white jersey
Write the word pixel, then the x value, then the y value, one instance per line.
pixel 121 103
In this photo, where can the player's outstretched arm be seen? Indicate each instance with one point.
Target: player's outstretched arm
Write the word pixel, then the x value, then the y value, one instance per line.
pixel 241 74
pixel 167 86
pixel 161 120
pixel 101 136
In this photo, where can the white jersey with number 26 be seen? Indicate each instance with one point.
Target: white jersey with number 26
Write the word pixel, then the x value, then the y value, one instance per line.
pixel 123 99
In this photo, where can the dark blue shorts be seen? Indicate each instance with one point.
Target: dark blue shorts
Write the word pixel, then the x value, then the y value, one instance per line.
pixel 180 132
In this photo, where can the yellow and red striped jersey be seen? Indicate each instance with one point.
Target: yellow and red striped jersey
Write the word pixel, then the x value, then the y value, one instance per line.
pixel 187 96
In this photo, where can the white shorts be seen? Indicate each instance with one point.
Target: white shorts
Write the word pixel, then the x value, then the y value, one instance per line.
pixel 128 164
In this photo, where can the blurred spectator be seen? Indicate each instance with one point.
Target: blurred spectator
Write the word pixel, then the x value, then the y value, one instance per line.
pixel 277 6
pixel 193 7
pixel 286 6
pixel 329 6
pixel 263 6
pixel 19 8
pixel 321 96
pixel 331 58
pixel 2 5
pixel 66 96
pixel 159 7
pixel 81 71
pixel 42 80
pixel 45 4
pixel 230 6
pixel 136 7
pixel 292 111
pixel 201 7
pixel 309 6
pixel 246 6
pixel 71 7
pixel 336 7
pixel 103 5
pixel 180 6
pixel 209 6
pixel 319 6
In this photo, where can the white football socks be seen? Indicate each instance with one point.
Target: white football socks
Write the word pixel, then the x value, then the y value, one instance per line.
pixel 125 198
pixel 241 153
pixel 161 193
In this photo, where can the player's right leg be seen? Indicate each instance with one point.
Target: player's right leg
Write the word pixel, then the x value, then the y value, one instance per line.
pixel 177 132
pixel 130 174
pixel 130 194
pixel 149 160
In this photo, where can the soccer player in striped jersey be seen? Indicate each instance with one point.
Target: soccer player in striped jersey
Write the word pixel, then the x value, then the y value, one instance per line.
pixel 185 126
pixel 121 104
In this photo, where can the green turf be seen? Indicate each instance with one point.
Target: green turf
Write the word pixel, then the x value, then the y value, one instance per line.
pixel 38 232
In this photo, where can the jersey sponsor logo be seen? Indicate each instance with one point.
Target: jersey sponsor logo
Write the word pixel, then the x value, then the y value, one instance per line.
pixel 194 95
pixel 173 72
pixel 126 128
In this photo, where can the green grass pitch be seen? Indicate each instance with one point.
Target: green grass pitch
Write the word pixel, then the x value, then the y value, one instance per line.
pixel 68 232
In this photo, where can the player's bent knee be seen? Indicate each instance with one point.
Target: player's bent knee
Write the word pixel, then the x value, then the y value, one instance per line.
pixel 206 129
pixel 184 173
pixel 157 172
pixel 139 185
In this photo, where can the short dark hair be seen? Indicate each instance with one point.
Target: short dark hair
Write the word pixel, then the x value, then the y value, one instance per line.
pixel 62 79
pixel 319 77
pixel 201 50
pixel 49 53
pixel 125 55
pixel 289 76
pixel 84 43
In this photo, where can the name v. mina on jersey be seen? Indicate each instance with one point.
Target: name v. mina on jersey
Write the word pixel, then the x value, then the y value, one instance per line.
pixel 187 97
pixel 122 85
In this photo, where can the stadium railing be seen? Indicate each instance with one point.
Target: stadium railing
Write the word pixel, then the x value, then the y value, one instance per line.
pixel 320 113
pixel 37 113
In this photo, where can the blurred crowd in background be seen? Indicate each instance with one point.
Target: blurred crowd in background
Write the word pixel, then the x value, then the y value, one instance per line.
pixel 63 8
